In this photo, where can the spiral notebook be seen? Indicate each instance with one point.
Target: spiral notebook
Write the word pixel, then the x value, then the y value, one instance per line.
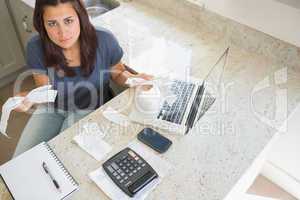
pixel 26 178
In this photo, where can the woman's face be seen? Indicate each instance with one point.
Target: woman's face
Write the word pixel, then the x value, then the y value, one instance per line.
pixel 62 24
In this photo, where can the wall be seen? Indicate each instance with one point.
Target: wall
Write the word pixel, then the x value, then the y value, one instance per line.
pixel 278 18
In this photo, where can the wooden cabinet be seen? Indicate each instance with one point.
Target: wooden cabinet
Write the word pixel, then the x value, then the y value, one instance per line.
pixel 11 55
pixel 22 15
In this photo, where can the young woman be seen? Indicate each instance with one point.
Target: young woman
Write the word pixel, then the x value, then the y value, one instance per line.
pixel 74 57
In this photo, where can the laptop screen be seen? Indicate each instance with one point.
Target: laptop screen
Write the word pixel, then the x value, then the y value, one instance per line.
pixel 214 77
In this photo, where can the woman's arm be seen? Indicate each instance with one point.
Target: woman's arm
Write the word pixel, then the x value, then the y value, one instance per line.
pixel 40 79
pixel 119 74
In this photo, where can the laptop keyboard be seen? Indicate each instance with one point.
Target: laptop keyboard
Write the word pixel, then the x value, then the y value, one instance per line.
pixel 207 103
pixel 175 112
pixel 194 108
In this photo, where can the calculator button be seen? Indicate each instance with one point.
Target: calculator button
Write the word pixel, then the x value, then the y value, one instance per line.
pixel 134 171
pixel 115 173
pixel 115 166
pixel 130 174
pixel 140 161
pixel 128 183
pixel 138 168
pixel 119 171
pixel 122 174
pixel 118 177
pixel 110 169
pixel 126 177
pixel 127 171
pixel 121 181
pixel 143 165
pixel 131 168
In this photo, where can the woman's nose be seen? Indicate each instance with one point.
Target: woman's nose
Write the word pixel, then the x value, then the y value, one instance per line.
pixel 62 31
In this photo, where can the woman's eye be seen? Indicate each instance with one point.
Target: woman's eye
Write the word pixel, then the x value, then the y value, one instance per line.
pixel 52 24
pixel 68 21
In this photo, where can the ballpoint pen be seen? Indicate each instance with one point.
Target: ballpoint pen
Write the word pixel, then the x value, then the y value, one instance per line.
pixel 46 169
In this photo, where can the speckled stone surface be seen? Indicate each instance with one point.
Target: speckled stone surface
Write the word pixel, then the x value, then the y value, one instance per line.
pixel 210 160
pixel 193 12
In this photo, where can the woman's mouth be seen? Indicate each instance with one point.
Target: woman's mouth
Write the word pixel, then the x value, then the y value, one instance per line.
pixel 65 40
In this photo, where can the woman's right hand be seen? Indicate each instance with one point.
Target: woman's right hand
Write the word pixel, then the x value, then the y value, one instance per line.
pixel 24 106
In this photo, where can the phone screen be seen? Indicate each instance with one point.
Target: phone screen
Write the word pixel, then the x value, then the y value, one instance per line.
pixel 154 140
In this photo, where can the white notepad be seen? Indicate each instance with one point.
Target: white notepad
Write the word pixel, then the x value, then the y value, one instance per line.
pixel 26 179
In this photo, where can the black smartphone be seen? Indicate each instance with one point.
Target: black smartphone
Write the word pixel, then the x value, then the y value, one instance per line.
pixel 154 140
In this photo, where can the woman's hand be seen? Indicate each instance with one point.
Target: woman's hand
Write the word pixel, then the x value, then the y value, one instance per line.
pixel 146 77
pixel 120 74
pixel 143 76
pixel 24 106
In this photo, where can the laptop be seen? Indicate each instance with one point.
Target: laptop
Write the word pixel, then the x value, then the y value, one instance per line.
pixel 182 103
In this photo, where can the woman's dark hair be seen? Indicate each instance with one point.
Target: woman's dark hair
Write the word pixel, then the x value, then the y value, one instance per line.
pixel 53 54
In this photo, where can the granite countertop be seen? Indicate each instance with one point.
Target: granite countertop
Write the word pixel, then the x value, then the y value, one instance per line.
pixel 210 160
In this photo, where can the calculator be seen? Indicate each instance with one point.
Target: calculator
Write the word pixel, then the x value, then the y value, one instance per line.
pixel 129 171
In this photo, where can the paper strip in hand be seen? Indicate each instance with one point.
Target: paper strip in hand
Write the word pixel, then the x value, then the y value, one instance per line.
pixel 41 94
pixel 136 81
pixel 132 82
pixel 7 107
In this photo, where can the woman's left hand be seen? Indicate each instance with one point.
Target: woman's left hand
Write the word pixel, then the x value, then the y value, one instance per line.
pixel 146 77
pixel 143 76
